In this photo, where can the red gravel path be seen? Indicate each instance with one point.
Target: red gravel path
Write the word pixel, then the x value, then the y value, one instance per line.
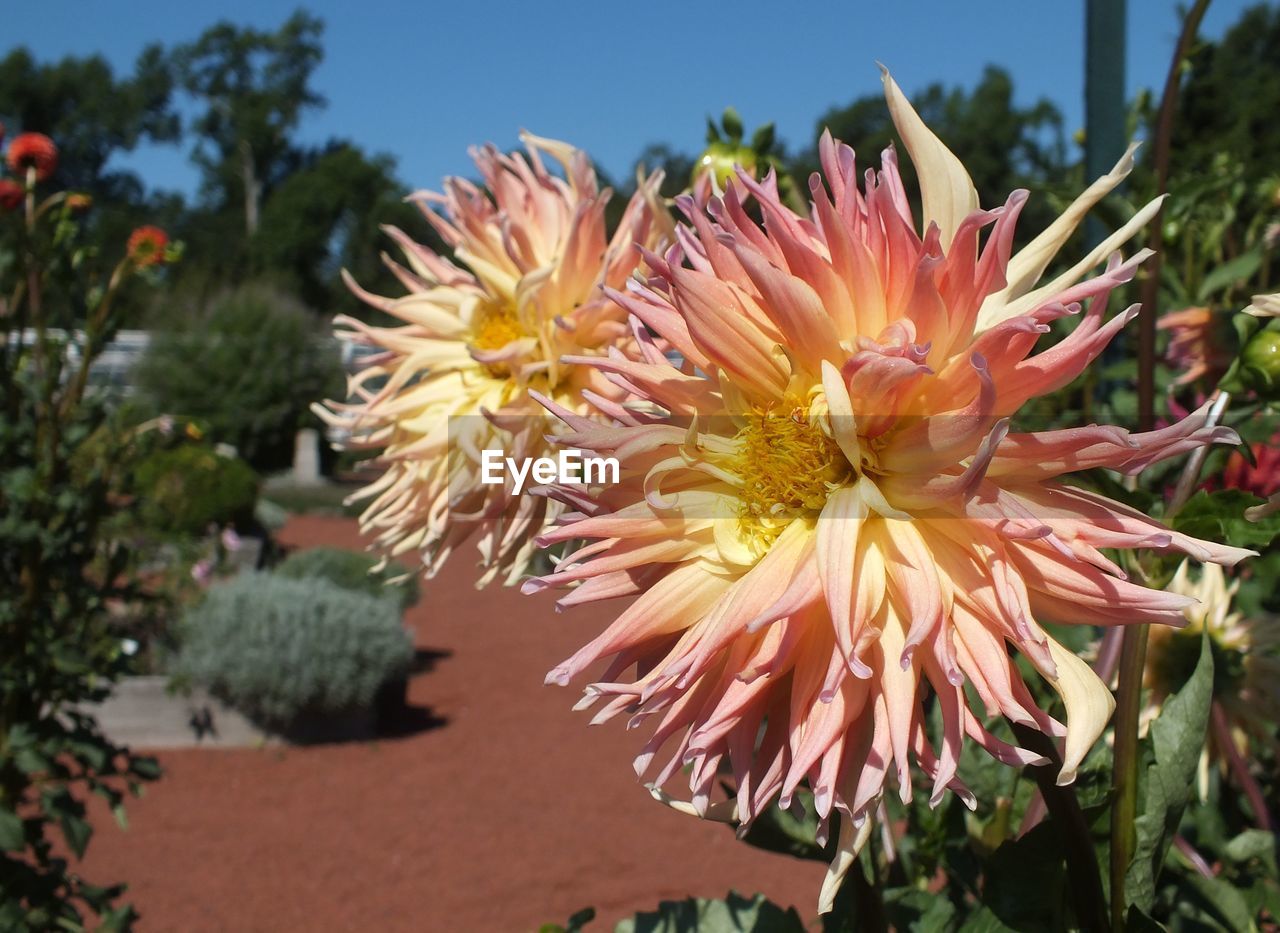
pixel 512 814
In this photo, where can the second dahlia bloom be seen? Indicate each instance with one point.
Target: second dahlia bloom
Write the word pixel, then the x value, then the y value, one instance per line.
pixel 824 511
pixel 478 332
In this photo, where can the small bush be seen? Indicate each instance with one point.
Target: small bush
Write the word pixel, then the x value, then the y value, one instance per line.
pixel 276 648
pixel 248 367
pixel 351 571
pixel 185 489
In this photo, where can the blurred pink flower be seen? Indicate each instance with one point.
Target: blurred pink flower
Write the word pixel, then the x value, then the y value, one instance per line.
pixel 823 510
pixel 202 571
pixel 231 541
pixel 1194 347
pixel 478 334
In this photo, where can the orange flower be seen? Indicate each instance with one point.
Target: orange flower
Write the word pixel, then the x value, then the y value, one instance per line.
pixel 11 195
pixel 147 246
pixel 33 150
pixel 79 202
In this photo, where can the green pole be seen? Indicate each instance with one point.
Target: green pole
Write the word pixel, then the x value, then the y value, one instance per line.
pixel 1104 93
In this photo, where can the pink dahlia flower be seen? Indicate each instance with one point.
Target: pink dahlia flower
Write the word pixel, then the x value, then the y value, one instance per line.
pixel 823 510
pixel 525 287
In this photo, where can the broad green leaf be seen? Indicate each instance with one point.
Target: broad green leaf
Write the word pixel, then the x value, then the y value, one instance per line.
pixel 1173 747
pixel 1219 516
pixel 1229 273
pixel 734 914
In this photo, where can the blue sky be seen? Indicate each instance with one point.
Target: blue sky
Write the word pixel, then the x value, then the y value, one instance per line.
pixel 423 81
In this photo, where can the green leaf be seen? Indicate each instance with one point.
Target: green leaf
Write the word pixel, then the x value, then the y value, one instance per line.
pixel 734 914
pixel 762 139
pixel 1219 516
pixel 1137 921
pixel 732 124
pixel 1173 746
pixel 1229 273
pixel 12 836
pixel 146 768
pixel 921 911
pixel 792 832
pixel 983 920
pixel 68 812
pixel 1033 862
pixel 1223 899
pixel 1253 844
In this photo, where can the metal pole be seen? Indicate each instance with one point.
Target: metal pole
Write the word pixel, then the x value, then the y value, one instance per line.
pixel 1105 102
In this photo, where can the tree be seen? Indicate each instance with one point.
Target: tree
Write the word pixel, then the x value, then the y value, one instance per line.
pixel 1228 105
pixel 92 114
pixel 255 86
pixel 325 217
pixel 95 115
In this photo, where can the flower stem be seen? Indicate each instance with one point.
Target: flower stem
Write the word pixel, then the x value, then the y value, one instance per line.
pixel 1073 831
pixel 1162 151
pixel 1124 781
pixel 1221 729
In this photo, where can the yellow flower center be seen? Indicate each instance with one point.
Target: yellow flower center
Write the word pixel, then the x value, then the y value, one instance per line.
pixel 497 328
pixel 788 464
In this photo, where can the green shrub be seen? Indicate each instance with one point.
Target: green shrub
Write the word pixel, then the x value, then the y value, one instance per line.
pixel 276 648
pixel 185 489
pixel 351 571
pixel 247 368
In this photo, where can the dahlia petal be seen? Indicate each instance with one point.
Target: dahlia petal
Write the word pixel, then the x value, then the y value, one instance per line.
pixel 1028 265
pixel 853 836
pixel 1089 707
pixel 946 190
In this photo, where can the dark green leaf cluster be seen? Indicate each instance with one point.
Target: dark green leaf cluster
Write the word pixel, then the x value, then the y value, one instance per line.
pixel 60 651
pixel 187 489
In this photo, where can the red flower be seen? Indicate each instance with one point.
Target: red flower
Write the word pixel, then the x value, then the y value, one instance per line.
pixel 147 246
pixel 11 195
pixel 33 149
pixel 1262 477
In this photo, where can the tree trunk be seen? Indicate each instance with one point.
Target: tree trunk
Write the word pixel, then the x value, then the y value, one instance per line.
pixel 252 188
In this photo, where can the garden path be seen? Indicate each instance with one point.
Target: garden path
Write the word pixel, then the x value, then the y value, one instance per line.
pixel 508 814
